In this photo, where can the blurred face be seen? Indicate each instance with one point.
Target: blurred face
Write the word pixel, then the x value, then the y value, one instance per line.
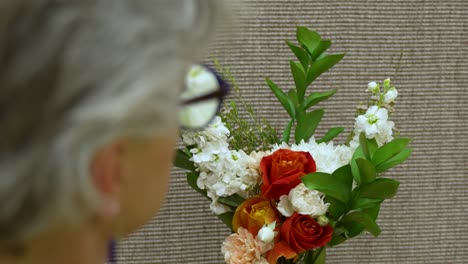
pixel 145 170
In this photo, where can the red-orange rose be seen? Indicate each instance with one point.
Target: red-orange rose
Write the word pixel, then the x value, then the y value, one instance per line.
pixel 302 233
pixel 253 213
pixel 281 171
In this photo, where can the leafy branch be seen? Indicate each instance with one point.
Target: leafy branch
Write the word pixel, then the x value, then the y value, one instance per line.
pixel 313 61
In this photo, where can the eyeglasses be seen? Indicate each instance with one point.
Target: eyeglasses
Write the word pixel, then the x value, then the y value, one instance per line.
pixel 202 98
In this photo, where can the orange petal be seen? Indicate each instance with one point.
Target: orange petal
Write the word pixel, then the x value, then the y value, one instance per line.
pixel 280 249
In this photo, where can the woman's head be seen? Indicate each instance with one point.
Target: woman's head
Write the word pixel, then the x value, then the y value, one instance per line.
pixel 88 107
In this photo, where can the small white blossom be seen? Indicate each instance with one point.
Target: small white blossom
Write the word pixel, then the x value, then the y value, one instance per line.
pixel 375 124
pixel 307 202
pixel 390 95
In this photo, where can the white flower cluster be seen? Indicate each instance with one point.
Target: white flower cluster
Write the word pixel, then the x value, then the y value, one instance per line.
pixel 327 156
pixel 223 172
pixel 375 122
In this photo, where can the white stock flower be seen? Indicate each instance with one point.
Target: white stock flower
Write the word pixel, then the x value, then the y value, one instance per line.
pixel 390 95
pixel 375 124
pixel 307 202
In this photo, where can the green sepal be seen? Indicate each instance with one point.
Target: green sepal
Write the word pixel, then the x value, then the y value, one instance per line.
pixel 331 134
pixel 282 98
pixel 306 124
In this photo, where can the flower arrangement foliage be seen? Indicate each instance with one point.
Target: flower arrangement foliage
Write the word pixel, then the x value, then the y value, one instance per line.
pixel 288 202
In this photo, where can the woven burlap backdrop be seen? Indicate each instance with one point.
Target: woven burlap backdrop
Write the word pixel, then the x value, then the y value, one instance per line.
pixel 427 222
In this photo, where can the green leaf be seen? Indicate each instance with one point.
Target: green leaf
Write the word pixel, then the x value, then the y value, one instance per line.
pixel 181 160
pixel 399 158
pixel 336 240
pixel 317 97
pixel 336 208
pixel 329 185
pixel 300 53
pixel 390 150
pixel 365 220
pixel 299 80
pixel 292 94
pixel 364 203
pixel 344 175
pixel 234 200
pixel 381 188
pixel 192 178
pixel 358 153
pixel 331 134
pixel 354 228
pixel 287 131
pixel 363 142
pixel 366 170
pixel 372 146
pixel 307 38
pixel 283 98
pixel 306 124
pixel 320 255
pixel 227 219
pixel 322 65
pixel 321 48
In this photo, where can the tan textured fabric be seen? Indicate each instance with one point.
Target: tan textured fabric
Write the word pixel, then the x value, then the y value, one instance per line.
pixel 427 222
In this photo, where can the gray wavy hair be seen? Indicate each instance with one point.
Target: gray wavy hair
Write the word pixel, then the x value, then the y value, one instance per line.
pixel 75 75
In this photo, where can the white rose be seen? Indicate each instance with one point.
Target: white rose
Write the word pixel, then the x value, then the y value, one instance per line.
pixel 307 202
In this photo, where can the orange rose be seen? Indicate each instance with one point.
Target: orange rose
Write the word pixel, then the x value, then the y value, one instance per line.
pixel 253 213
pixel 281 171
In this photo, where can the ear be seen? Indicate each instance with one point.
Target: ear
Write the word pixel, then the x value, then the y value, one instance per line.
pixel 106 177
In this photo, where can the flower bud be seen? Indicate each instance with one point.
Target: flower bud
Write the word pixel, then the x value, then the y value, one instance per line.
pixel 386 84
pixel 266 234
pixel 373 87
pixel 390 95
pixel 322 220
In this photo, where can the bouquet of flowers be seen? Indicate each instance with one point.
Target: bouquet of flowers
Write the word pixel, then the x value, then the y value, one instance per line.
pixel 288 202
